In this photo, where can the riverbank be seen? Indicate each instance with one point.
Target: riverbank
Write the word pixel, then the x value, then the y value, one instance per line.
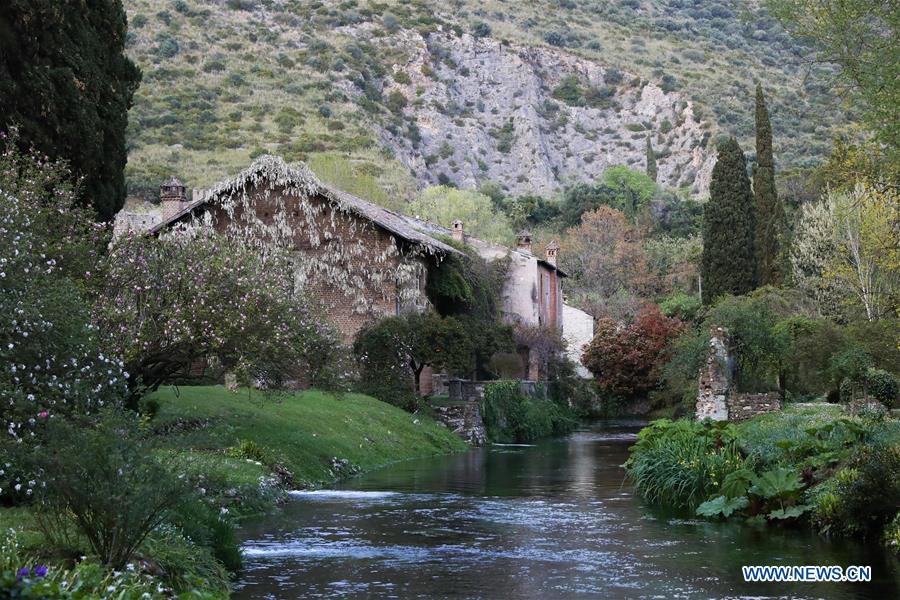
pixel 808 465
pixel 242 451
pixel 245 439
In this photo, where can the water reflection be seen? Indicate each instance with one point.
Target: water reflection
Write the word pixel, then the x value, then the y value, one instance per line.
pixel 553 520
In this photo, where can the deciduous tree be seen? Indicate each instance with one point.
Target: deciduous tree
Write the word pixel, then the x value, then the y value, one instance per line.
pixel 603 255
pixel 624 360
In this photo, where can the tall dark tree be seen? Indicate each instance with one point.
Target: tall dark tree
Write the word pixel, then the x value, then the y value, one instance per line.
pixel 651 160
pixel 770 220
pixel 67 84
pixel 728 264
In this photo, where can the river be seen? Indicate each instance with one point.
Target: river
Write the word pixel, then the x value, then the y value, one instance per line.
pixel 552 520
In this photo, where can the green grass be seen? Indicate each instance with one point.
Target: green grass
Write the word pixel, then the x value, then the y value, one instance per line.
pixel 303 431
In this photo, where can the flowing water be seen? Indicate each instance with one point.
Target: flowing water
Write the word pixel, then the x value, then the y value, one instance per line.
pixel 553 520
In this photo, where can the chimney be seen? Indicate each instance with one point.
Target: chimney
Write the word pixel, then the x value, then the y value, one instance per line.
pixel 524 241
pixel 172 198
pixel 456 228
pixel 551 251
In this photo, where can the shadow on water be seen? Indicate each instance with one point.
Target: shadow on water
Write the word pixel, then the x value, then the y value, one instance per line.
pixel 550 520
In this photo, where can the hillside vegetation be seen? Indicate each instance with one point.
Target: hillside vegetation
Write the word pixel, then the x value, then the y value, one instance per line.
pixel 381 98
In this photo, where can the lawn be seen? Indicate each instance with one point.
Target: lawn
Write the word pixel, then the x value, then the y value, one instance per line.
pixel 305 432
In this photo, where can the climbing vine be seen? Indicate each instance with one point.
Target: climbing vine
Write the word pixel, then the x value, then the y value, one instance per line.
pixel 273 205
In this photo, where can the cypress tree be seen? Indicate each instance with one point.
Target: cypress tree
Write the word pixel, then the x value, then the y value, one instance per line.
pixel 67 85
pixel 651 160
pixel 728 264
pixel 770 219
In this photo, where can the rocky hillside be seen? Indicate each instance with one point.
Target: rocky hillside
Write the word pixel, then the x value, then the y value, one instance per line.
pixel 384 98
pixel 532 117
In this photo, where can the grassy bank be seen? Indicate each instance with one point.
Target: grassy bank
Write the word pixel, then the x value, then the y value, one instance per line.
pixel 810 464
pixel 305 439
pixel 240 451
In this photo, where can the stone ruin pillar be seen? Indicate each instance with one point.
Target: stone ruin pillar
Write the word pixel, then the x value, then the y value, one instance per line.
pixel 715 378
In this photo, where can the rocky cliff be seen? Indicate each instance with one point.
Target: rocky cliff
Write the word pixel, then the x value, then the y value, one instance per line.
pixel 534 118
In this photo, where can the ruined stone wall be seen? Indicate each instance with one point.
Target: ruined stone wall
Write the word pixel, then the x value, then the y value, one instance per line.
pixel 715 379
pixel 717 398
pixel 746 406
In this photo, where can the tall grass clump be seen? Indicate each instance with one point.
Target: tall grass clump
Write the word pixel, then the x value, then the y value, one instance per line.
pixel 682 463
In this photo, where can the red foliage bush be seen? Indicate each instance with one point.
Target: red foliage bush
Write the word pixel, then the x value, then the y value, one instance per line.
pixel 624 359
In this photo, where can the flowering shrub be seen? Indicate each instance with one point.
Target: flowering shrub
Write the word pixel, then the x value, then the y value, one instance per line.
pixel 51 361
pixel 166 303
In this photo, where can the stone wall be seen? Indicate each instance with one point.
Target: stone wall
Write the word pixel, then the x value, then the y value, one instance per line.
pixel 463 419
pixel 746 406
pixel 462 415
pixel 717 398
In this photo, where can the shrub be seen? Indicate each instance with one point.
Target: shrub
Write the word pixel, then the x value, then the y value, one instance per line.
pixel 167 46
pixel 882 386
pixel 512 416
pixel 102 484
pixel 54 364
pixel 396 101
pixel 684 307
pixel 625 361
pixel 862 498
pixel 481 29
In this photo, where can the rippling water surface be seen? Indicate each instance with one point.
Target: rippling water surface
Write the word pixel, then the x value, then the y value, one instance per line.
pixel 552 520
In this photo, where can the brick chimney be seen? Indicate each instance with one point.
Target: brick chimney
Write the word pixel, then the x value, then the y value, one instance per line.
pixel 523 240
pixel 551 251
pixel 172 198
pixel 456 227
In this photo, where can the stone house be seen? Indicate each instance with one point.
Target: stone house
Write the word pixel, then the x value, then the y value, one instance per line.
pixel 532 292
pixel 358 260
